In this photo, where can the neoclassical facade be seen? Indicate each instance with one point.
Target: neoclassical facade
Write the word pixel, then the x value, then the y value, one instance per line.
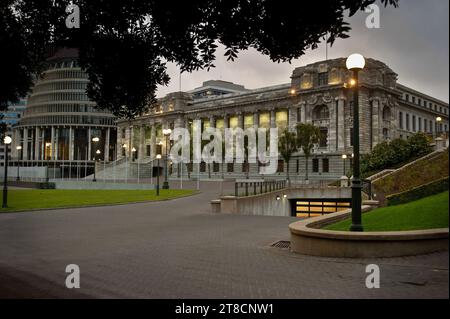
pixel 60 124
pixel 317 94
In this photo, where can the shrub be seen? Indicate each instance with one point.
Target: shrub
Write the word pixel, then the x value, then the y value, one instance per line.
pixel 46 185
pixel 419 144
pixel 417 193
pixel 390 154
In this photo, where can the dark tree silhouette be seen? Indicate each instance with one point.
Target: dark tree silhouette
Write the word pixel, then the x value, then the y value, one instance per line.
pixel 124 45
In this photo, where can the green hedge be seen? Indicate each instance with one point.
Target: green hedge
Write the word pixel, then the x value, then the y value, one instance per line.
pixel 397 152
pixel 46 185
pixel 417 193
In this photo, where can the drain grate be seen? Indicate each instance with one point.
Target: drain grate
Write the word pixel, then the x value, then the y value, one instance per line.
pixel 282 244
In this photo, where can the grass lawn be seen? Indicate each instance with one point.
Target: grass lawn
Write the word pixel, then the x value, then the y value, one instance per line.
pixel 29 199
pixel 427 213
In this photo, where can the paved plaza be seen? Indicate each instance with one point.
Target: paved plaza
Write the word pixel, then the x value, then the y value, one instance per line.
pixel 178 249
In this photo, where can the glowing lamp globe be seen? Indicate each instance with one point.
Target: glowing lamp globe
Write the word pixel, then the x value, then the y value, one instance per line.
pixel 7 140
pixel 355 62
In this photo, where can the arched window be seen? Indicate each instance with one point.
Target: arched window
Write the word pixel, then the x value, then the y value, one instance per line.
pixel 386 113
pixel 321 112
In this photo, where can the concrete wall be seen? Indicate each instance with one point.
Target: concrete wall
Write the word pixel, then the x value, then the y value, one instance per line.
pixel 101 185
pixel 29 172
pixel 267 205
pixel 308 238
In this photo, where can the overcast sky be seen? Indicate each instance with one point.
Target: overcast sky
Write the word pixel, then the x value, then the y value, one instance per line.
pixel 413 40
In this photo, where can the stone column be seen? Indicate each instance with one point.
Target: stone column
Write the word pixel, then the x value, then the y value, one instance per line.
pixel 153 141
pixel 376 123
pixel 36 144
pixel 240 120
pixel 332 134
pixel 89 144
pixel 341 125
pixel 52 141
pixel 25 144
pixel 107 143
pixel 226 121
pixel 212 121
pixel 303 112
pixel 273 123
pixel 141 148
pixel 292 117
pixel 256 120
pixel 71 146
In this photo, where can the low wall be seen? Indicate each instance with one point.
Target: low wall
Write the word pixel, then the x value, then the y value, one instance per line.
pixel 101 185
pixel 30 172
pixel 307 238
pixel 267 205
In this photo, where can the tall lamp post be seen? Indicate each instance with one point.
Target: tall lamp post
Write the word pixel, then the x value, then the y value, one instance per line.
pixel 438 129
pixel 356 63
pixel 19 150
pixel 166 133
pixel 344 157
pixel 95 140
pixel 6 140
pixel 48 146
pixel 158 157
pixel 97 154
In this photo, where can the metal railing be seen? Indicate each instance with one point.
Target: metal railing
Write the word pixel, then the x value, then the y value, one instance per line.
pixel 256 187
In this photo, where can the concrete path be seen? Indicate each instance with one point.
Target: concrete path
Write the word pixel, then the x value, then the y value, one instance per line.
pixel 177 249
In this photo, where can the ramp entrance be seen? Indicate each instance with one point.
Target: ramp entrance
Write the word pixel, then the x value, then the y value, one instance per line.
pixel 313 207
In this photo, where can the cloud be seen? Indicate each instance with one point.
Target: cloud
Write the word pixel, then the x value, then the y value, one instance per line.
pixel 412 40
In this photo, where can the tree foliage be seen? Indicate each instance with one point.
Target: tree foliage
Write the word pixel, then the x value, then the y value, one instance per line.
pixel 391 154
pixel 308 136
pixel 124 45
pixel 287 147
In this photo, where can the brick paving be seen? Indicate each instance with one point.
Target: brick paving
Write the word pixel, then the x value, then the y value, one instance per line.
pixel 177 249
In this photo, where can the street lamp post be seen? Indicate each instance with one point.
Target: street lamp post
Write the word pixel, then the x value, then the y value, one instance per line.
pixel 158 157
pixel 19 149
pixel 97 154
pixel 47 147
pixel 95 140
pixel 438 129
pixel 356 63
pixel 6 140
pixel 166 177
pixel 344 157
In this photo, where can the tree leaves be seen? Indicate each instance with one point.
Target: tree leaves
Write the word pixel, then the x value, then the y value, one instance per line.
pixel 187 33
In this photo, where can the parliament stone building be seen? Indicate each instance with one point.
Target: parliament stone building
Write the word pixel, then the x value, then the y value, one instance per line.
pixel 317 94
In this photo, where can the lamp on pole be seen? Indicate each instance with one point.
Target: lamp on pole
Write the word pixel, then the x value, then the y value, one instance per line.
pixel 6 140
pixel 95 140
pixel 133 154
pixel 19 150
pixel 48 146
pixel 438 121
pixel 356 63
pixel 344 157
pixel 158 157
pixel 166 133
pixel 97 154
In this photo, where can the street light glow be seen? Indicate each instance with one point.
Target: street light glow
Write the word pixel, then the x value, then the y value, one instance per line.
pixel 439 119
pixel 344 156
pixel 355 62
pixel 158 156
pixel 7 140
pixel 95 139
pixel 167 131
pixel 18 148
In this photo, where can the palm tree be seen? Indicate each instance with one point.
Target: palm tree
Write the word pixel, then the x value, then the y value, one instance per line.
pixel 287 147
pixel 308 135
